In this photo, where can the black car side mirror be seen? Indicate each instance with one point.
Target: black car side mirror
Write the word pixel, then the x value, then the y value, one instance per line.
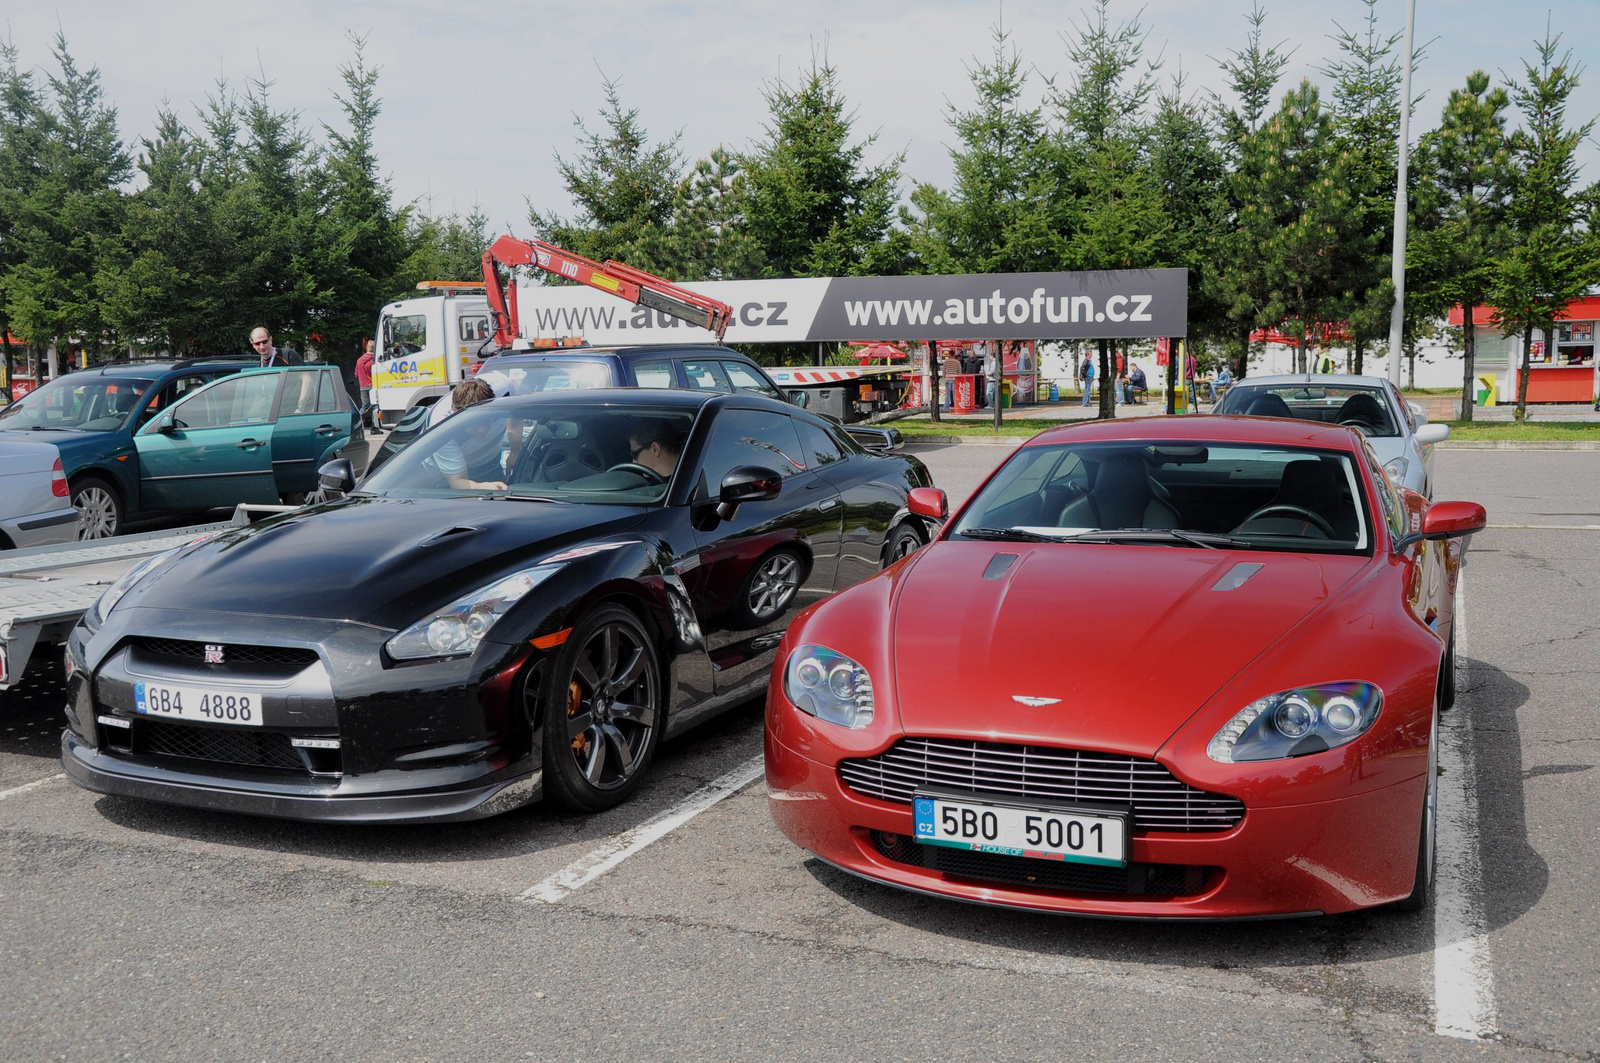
pixel 746 483
pixel 338 475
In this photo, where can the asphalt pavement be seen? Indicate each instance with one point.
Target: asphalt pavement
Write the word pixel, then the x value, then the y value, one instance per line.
pixel 130 930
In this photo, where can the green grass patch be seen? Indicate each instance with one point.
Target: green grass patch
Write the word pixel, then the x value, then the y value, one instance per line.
pixel 1530 431
pixel 1024 428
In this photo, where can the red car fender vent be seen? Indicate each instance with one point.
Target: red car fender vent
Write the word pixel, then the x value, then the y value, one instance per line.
pixel 58 481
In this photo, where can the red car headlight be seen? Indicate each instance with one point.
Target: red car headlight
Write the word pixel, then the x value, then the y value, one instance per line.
pixel 1296 722
pixel 828 685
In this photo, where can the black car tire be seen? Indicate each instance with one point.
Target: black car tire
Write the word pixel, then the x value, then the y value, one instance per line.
pixel 768 588
pixel 604 706
pixel 904 540
pixel 99 504
pixel 1428 834
pixel 1447 677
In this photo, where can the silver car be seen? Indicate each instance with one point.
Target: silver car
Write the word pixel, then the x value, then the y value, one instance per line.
pixel 35 505
pixel 1398 431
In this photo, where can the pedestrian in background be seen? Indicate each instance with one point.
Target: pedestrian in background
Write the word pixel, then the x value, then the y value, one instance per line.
pixel 949 367
pixel 1088 377
pixel 369 394
pixel 261 343
pixel 1223 380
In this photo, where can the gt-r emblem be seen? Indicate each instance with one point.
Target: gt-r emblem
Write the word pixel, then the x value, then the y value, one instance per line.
pixel 1034 703
pixel 213 653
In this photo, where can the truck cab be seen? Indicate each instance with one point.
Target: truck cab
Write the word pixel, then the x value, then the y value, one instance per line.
pixel 426 345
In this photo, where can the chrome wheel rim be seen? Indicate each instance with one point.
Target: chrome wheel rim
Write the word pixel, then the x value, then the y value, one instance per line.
pixel 905 546
pixel 611 706
pixel 774 584
pixel 98 511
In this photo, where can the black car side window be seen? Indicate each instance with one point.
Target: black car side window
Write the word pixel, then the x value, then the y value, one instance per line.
pixel 750 437
pixel 821 449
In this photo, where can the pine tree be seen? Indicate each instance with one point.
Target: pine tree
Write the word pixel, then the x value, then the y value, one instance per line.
pixel 22 135
pixel 992 220
pixel 1461 213
pixel 709 238
pixel 625 188
pixel 1551 259
pixel 812 204
pixel 443 247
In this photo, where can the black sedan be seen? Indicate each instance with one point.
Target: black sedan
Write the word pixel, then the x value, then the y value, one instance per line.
pixel 525 602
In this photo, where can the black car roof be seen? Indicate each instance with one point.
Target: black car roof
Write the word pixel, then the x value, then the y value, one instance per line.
pixel 678 398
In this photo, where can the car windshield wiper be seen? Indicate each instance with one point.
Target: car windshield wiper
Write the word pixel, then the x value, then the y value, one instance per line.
pixel 1207 540
pixel 1013 535
pixel 507 496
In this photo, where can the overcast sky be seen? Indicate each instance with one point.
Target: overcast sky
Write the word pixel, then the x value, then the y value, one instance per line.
pixel 478 96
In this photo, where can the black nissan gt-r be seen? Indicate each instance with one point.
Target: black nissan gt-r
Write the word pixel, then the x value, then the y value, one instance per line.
pixel 524 602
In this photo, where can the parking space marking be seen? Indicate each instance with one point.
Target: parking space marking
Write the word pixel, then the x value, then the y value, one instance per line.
pixel 25 787
pixel 1463 980
pixel 597 862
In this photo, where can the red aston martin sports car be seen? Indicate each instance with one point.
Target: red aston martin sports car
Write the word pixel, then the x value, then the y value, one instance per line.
pixel 1162 668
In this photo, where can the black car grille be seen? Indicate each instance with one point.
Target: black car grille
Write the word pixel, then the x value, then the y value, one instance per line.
pixel 195 653
pixel 1159 800
pixel 1144 880
pixel 224 745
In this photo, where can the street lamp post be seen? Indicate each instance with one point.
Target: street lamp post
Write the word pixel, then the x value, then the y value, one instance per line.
pixel 1397 315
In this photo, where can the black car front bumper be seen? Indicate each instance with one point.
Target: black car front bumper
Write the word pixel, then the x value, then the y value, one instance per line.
pixel 111 774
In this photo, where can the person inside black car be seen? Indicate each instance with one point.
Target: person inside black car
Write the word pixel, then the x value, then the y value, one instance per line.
pixel 657 445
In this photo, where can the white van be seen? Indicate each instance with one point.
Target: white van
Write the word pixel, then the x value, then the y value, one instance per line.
pixel 426 344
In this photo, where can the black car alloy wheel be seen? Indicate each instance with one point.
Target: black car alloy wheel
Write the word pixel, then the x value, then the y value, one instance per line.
pixel 604 704
pixel 770 585
pixel 903 542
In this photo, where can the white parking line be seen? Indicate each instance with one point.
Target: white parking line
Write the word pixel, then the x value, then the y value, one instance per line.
pixel 1463 980
pixel 619 847
pixel 25 787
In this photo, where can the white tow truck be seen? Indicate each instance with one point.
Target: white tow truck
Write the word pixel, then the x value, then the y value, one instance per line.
pixel 427 345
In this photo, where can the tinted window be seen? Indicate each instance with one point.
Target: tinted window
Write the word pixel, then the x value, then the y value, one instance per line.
pixel 750 437
pixel 706 376
pixel 1363 408
pixel 820 447
pixel 241 400
pixel 327 397
pixel 653 375
pixel 299 394
pixel 744 380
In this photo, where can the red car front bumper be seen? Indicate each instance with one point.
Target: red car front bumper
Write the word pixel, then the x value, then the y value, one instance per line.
pixel 1323 857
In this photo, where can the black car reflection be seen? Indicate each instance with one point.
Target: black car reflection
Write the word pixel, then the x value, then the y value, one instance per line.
pixel 526 601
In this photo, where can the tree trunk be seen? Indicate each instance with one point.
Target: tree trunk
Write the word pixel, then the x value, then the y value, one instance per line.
pixel 1241 370
pixel 1108 406
pixel 1361 357
pixel 1300 354
pixel 1522 383
pixel 935 386
pixel 1172 376
pixel 1469 357
pixel 1411 367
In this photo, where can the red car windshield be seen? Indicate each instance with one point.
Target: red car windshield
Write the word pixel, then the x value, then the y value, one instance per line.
pixel 1197 494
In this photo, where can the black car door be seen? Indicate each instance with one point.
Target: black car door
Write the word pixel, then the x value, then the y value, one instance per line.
pixel 770 559
pixel 870 497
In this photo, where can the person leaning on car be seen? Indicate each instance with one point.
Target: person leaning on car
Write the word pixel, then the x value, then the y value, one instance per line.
pixel 479 454
pixel 656 445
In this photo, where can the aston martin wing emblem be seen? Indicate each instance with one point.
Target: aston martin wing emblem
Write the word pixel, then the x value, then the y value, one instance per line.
pixel 1034 702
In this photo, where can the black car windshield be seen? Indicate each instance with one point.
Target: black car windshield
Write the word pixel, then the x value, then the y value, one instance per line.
pixel 86 402
pixel 1197 495
pixel 566 452
pixel 528 377
pixel 1365 409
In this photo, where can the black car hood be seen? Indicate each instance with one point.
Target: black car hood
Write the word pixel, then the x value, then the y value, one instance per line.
pixel 381 561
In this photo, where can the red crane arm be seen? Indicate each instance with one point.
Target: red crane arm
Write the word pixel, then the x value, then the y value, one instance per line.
pixel 623 281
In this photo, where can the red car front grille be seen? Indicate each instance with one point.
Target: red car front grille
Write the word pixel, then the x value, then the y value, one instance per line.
pixel 1160 801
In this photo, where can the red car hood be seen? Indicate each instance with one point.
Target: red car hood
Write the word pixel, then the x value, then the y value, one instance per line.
pixel 1132 640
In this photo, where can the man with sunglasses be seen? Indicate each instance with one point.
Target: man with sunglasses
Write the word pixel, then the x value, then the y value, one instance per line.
pixel 656 444
pixel 261 343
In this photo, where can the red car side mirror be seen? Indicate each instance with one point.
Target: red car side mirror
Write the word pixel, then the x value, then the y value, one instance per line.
pixel 929 502
pixel 1446 520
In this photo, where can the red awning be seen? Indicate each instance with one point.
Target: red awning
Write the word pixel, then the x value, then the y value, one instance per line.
pixel 1585 309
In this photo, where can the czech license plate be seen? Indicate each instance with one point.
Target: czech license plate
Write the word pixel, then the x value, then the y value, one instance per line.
pixel 197 704
pixel 1042 833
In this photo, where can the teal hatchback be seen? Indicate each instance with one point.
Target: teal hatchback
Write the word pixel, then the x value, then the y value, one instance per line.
pixel 256 436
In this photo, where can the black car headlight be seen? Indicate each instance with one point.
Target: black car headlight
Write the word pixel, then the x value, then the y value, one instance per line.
pixel 829 686
pixel 458 628
pixel 1297 722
